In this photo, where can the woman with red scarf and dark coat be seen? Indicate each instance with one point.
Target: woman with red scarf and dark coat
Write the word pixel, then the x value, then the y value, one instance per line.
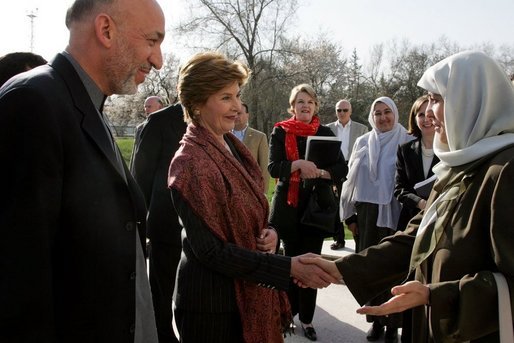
pixel 288 166
pixel 228 277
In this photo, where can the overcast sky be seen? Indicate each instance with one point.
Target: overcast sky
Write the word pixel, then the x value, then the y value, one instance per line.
pixel 351 24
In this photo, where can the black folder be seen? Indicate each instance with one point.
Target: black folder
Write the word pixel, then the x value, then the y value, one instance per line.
pixel 323 150
pixel 424 187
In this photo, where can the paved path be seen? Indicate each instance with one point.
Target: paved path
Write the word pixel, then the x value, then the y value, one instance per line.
pixel 335 319
pixel 334 254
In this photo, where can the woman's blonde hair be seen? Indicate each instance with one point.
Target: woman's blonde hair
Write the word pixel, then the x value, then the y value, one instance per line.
pixel 302 88
pixel 205 74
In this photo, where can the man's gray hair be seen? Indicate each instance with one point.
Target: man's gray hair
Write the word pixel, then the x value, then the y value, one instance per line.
pixel 81 8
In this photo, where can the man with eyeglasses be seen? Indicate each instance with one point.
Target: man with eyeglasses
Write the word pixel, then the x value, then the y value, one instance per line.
pixel 347 131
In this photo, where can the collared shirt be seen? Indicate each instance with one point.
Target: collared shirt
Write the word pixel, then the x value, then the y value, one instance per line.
pixel 240 134
pixel 94 92
pixel 343 133
pixel 98 99
pixel 145 318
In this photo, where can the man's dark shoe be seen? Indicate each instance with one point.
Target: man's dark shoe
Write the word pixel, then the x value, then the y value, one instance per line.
pixel 337 245
pixel 391 335
pixel 375 332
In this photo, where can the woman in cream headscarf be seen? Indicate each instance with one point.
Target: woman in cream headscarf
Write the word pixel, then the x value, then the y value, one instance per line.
pixel 367 202
pixel 466 232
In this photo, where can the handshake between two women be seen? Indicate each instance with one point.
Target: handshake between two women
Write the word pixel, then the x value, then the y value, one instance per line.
pixel 311 270
pixel 308 270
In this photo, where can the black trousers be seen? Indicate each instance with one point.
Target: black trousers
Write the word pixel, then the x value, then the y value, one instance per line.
pixel 164 259
pixel 303 300
pixel 339 236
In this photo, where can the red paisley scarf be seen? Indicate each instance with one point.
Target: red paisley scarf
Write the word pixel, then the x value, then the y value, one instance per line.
pixel 228 196
pixel 294 128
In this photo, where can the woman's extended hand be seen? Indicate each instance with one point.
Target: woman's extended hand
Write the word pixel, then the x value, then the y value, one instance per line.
pixel 409 295
pixel 267 241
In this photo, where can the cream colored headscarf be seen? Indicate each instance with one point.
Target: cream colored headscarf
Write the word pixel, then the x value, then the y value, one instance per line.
pixel 478 107
pixel 372 167
pixel 478 113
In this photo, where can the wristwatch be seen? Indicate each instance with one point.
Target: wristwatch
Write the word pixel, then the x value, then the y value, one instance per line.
pixel 322 173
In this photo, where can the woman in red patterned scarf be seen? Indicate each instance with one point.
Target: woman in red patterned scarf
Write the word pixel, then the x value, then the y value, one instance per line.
pixel 228 273
pixel 288 166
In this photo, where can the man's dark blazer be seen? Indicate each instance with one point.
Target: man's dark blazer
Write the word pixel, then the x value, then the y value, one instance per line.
pixel 137 138
pixel 409 171
pixel 159 140
pixel 68 218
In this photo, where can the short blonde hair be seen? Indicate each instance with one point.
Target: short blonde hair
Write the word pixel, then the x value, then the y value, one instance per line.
pixel 205 74
pixel 302 88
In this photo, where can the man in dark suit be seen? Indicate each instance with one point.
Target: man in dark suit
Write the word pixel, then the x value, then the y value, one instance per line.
pixel 152 104
pixel 347 131
pixel 71 215
pixel 158 143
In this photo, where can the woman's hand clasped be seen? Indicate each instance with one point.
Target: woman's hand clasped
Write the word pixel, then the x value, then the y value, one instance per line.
pixel 267 241
pixel 308 169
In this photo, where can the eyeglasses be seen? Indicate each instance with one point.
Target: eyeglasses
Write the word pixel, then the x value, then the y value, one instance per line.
pixel 343 110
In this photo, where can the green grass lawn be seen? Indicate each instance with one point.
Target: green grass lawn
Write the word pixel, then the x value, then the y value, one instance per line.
pixel 125 144
pixel 271 189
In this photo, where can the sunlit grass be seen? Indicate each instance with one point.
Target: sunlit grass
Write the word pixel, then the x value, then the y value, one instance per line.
pixel 125 144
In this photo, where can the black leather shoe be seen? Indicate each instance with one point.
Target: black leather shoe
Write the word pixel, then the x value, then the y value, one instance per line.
pixel 375 332
pixel 391 335
pixel 310 333
pixel 337 245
